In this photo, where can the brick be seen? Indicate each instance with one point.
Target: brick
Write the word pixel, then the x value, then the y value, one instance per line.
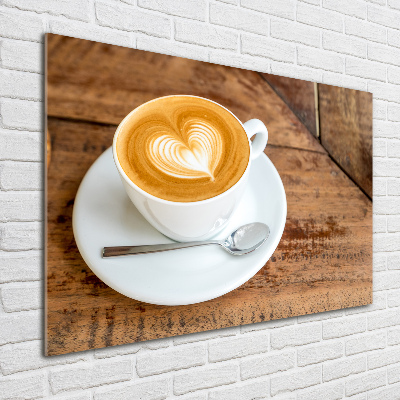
pixel 379 187
pixel 21 236
pixel 76 9
pixel 354 8
pixel 294 380
pixel 29 356
pixel 393 336
pixel 389 130
pixel 320 59
pixel 19 327
pixel 21 176
pixel 114 351
pixel 394 223
pixel 330 391
pixel 81 396
pixel 386 280
pixel 239 60
pixel 172 48
pixel 315 2
pixel 343 327
pixel 381 358
pixel 384 16
pixel 393 374
pixel 21 296
pixel 320 316
pixel 393 111
pixel 23 85
pixel 197 337
pixel 393 261
pixel 365 382
pixel 247 391
pixel 379 223
pixel 193 9
pixel 23 386
pixel 234 2
pixel 381 2
pixel 277 323
pixel 387 393
pixel 284 9
pixel 393 187
pixel 365 30
pixel 17 25
pixel 379 110
pixel 343 367
pixel 393 38
pixel 170 360
pixel 379 148
pixel 22 56
pixel 296 71
pixel 385 91
pixel 130 19
pixel 205 377
pixel 205 35
pixel 23 206
pixel 344 44
pixel 295 335
pixel 318 353
pixel 156 389
pixel 270 48
pixel 365 69
pixel 267 364
pixel 394 4
pixel 394 75
pixel 90 375
pixel 365 342
pixel 383 319
pixel 383 54
pixel 25 266
pixel 346 81
pixel 238 18
pixel 379 303
pixel 24 146
pixel 322 18
pixel 387 205
pixel 386 242
pixel 293 32
pixel 387 167
pixel 22 114
pixel 246 345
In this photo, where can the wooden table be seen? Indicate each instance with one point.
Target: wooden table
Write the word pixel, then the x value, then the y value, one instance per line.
pixel 324 259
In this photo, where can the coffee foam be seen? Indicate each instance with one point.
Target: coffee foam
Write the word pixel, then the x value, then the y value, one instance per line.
pixel 183 148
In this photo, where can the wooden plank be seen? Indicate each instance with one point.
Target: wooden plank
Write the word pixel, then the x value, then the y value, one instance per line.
pixel 346 131
pixel 324 260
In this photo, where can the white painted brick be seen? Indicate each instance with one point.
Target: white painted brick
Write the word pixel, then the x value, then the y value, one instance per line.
pixel 379 110
pixel 90 375
pixel 270 48
pixel 384 16
pixel 315 2
pixel 234 2
pixel 156 344
pixel 319 17
pixel 320 59
pixel 238 18
pixel 198 396
pixel 76 9
pixel 365 342
pixel 170 360
pixel 379 223
pixel 354 8
pixel 230 59
pixel 22 114
pixel 393 187
pixel 22 206
pixel 379 187
pixel 365 30
pixel 387 167
pixel 121 17
pixel 385 91
pixel 365 382
pixel 83 395
pixel 172 48
pixel 318 353
pixel 393 111
pixel 386 242
pixel 284 9
pixel 17 25
pixel 23 386
pixel 25 266
pixel 343 327
pixel 247 391
pixel 393 38
pixel 387 393
pixel 205 35
pixel 393 261
pixel 237 347
pixel 389 130
pixel 346 81
pixel 379 303
pixel 296 71
pixel 193 9
pixel 25 146
pixel 197 337
pixel 366 69
pixel 384 54
pixel 23 56
pixel 328 391
pixel 114 351
pixel 383 319
pixel 386 280
pixel 205 377
pixel 393 374
pixel 320 316
pixel 20 236
pixel 394 75
pixel 19 327
pixel 277 323
pixel 344 44
pixel 394 224
pixel 394 4
pixel 22 296
pixel 295 335
pixel 29 356
pixel 294 380
pixel 267 364
pixel 293 32
pixel 343 367
pixel 382 358
pixel 381 2
pixel 379 148
pixel 155 389
pixel 393 336
pixel 21 176
pixel 387 205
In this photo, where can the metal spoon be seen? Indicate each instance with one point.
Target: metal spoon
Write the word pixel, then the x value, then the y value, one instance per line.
pixel 243 240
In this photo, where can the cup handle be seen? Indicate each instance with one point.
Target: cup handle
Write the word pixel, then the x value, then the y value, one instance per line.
pixel 256 127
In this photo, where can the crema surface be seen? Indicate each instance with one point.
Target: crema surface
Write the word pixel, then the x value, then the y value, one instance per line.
pixel 183 148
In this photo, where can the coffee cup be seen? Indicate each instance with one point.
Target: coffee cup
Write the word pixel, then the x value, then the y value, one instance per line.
pixel 184 162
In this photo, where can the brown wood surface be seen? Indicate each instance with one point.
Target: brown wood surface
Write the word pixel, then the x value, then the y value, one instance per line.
pixel 346 131
pixel 323 262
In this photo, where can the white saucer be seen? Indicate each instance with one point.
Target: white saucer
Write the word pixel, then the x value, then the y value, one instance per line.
pixel 104 216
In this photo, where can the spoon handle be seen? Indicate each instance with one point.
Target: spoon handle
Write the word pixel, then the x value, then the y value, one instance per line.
pixel 128 250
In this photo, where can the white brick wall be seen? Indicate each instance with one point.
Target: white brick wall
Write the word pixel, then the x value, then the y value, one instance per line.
pixel 353 353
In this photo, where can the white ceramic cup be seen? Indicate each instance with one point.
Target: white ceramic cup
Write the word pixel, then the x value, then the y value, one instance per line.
pixel 197 220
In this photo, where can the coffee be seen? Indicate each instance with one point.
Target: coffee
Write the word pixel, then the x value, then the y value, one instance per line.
pixel 182 148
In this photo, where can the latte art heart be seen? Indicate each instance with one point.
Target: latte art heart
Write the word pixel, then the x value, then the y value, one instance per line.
pixel 195 155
